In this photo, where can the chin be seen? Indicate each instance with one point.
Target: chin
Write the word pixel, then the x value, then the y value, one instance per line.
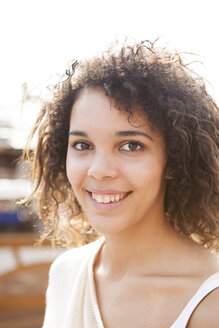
pixel 108 225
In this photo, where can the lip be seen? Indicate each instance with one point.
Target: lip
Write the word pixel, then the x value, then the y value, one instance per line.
pixel 107 191
pixel 107 206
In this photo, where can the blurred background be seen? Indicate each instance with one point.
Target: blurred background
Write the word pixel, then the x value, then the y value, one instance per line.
pixel 38 40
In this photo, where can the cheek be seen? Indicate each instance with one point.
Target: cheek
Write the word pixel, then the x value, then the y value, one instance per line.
pixel 150 174
pixel 74 170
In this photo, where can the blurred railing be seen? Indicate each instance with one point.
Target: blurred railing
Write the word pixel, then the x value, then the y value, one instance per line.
pixel 23 280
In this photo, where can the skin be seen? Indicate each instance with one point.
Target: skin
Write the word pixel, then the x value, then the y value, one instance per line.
pixel 144 264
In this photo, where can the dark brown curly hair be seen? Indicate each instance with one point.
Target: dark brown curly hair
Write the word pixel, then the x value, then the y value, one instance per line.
pixel 175 102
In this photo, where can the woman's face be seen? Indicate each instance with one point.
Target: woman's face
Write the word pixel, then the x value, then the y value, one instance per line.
pixel 116 169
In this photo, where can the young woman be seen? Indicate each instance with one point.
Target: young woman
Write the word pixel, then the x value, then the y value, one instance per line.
pixel 127 154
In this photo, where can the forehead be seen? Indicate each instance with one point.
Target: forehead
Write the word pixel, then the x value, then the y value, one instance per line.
pixel 93 107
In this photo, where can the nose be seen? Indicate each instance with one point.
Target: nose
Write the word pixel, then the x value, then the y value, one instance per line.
pixel 103 167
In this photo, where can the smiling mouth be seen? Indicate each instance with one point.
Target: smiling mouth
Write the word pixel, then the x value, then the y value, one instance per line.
pixel 108 198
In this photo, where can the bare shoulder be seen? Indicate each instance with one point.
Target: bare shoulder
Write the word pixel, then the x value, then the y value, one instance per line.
pixel 206 314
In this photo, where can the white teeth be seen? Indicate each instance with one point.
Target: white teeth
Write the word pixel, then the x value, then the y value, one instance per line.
pixel 99 198
pixel 117 198
pixel 107 198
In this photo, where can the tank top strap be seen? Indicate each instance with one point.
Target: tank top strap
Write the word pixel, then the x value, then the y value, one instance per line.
pixel 208 286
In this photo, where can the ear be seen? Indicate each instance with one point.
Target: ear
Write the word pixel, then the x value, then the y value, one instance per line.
pixel 168 175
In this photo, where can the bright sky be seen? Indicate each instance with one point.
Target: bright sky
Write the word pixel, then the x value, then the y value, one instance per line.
pixel 39 37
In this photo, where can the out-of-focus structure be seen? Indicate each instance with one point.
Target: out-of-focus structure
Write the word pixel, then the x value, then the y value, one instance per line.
pixel 15 121
pixel 23 267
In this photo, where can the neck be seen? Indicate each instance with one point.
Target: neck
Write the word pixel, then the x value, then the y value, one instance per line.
pixel 140 249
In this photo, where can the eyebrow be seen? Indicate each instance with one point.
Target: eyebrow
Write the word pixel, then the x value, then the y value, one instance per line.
pixel 128 133
pixel 78 133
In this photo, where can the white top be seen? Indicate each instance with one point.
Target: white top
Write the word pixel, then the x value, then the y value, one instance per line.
pixel 71 298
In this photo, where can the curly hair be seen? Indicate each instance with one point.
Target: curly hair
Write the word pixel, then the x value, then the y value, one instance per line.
pixel 175 101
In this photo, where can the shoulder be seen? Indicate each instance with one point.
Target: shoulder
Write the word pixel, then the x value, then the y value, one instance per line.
pixel 72 259
pixel 206 313
pixel 67 278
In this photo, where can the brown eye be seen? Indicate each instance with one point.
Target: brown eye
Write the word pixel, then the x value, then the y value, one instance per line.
pixel 81 145
pixel 132 146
